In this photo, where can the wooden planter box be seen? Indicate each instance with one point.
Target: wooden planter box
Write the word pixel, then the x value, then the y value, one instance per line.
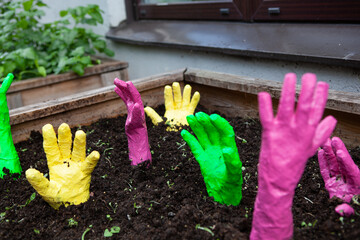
pixel 36 90
pixel 229 94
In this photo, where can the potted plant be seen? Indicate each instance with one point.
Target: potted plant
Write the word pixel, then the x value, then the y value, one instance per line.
pixel 46 52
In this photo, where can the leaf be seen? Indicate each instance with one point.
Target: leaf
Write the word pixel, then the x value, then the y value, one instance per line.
pixel 107 233
pixel 9 14
pixel 28 53
pixel 9 67
pixel 115 229
pixel 78 69
pixel 41 4
pixel 63 13
pixel 23 24
pixel 69 36
pixel 27 5
pixel 109 52
pixel 79 51
pixel 42 71
pixel 97 16
pixel 85 60
pixel 99 44
pixel 32 197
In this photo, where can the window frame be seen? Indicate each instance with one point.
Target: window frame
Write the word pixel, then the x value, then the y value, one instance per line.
pixel 249 10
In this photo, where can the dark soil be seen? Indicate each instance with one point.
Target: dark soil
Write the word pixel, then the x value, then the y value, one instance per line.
pixel 166 201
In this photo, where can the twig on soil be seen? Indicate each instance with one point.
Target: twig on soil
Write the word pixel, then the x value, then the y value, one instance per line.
pixel 309 200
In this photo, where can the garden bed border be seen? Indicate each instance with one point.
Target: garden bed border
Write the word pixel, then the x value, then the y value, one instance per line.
pixel 230 94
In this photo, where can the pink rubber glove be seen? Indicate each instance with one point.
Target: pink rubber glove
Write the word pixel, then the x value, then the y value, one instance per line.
pixel 135 126
pixel 340 173
pixel 344 210
pixel 288 140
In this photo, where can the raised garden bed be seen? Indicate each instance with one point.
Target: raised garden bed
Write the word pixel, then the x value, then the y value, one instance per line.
pixel 169 200
pixel 36 90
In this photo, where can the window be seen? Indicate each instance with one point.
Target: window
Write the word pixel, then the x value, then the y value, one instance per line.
pixel 248 10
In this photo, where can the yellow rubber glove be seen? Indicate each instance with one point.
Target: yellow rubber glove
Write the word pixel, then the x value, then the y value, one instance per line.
pixel 177 107
pixel 70 172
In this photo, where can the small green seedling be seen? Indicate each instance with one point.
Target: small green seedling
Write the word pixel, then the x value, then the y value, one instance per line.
pixel 112 231
pixel 341 220
pixel 204 229
pixel 86 231
pixel 108 216
pixel 169 184
pixel 136 207
pixel 113 207
pixel 36 231
pixel 72 222
pixel 2 216
pixel 32 197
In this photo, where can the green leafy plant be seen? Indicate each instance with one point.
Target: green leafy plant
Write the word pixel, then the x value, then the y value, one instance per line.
pixel 29 48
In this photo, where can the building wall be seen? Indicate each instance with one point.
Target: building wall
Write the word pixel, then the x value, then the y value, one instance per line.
pixel 147 60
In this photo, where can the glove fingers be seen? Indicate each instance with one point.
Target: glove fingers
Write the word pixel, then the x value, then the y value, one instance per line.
pixel 323 132
pixel 134 93
pixel 194 145
pixel 90 162
pixel 319 103
pixel 120 89
pixel 137 118
pixel 177 95
pixel 37 181
pixel 79 149
pixel 323 164
pixel 65 141
pixel 186 96
pixel 209 128
pixel 226 131
pixel 6 83
pixel 194 102
pixel 287 99
pixel 338 144
pixel 169 99
pixel 349 169
pixel 50 145
pixel 154 116
pixel 120 94
pixel 308 85
pixel 199 131
pixel 233 163
pixel 330 158
pixel 265 109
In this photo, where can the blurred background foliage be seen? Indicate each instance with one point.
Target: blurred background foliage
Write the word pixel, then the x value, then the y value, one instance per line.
pixel 29 48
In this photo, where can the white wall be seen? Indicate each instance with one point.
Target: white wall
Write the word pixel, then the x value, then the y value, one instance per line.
pixel 145 60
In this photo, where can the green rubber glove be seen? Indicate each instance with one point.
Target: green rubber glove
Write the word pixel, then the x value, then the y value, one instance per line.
pixel 216 152
pixel 8 155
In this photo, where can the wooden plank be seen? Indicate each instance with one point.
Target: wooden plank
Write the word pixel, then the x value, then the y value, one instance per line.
pixel 237 96
pixel 14 100
pixel 228 94
pixel 60 89
pixel 337 100
pixel 53 87
pixel 88 107
pixel 107 79
pixel 51 79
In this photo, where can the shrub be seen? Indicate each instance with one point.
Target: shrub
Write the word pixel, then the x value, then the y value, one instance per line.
pixel 29 48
